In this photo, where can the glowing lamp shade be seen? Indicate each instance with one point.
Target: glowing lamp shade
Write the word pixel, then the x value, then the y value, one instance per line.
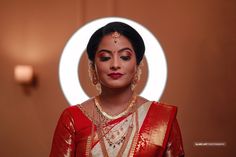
pixel 69 61
pixel 24 74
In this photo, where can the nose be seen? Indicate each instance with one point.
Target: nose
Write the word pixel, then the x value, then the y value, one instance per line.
pixel 115 65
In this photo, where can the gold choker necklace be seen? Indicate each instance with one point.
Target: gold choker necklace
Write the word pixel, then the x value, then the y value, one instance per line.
pixel 106 115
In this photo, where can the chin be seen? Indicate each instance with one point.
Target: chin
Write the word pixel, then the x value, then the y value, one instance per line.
pixel 116 86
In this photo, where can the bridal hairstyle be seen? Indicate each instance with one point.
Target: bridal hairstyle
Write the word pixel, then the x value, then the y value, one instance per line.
pixel 124 29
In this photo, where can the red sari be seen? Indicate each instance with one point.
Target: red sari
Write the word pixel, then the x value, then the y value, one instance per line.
pixel 156 133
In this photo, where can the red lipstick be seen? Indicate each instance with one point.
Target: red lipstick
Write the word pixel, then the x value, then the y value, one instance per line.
pixel 115 75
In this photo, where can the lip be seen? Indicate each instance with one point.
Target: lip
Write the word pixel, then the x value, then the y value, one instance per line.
pixel 115 75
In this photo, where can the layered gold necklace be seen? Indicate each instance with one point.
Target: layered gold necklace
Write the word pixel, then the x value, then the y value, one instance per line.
pixel 116 138
pixel 111 117
pixel 116 135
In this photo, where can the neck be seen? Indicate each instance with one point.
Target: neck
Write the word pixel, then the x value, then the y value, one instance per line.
pixel 115 99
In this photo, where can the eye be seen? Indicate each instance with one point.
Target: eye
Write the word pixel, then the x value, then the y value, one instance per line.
pixel 103 58
pixel 125 58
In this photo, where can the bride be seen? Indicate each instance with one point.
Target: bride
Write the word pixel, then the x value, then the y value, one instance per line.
pixel 117 122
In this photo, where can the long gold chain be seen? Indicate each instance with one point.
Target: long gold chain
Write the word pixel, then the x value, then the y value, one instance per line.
pixel 117 136
pixel 121 142
pixel 125 112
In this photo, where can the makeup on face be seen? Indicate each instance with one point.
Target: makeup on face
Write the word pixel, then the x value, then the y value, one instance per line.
pixel 115 75
pixel 124 53
pixel 115 62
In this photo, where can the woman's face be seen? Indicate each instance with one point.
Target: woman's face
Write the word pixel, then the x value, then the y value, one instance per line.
pixel 115 61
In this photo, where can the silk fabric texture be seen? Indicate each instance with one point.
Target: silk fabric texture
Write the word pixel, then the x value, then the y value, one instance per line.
pixel 155 133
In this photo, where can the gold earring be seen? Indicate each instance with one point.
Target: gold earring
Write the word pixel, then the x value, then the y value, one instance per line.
pixel 93 77
pixel 92 74
pixel 136 78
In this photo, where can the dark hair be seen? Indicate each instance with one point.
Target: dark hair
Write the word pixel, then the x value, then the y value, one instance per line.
pixel 130 33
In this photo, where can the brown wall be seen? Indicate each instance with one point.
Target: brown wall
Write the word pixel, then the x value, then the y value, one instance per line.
pixel 198 37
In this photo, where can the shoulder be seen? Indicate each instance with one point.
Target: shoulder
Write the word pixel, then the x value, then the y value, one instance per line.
pixel 74 115
pixel 156 104
pixel 71 110
pixel 163 109
pixel 87 107
pixel 163 105
pixel 69 114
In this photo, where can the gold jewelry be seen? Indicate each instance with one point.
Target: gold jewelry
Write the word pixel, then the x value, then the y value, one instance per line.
pixel 125 112
pixel 117 137
pixel 92 74
pixel 122 139
pixel 93 77
pixel 136 78
pixel 115 36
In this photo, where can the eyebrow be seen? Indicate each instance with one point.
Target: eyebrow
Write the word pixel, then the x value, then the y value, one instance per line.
pixel 126 48
pixel 104 50
pixel 108 51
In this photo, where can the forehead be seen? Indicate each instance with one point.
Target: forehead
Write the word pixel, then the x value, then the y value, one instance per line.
pixel 110 41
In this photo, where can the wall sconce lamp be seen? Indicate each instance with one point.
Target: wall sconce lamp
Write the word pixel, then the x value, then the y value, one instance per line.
pixel 24 75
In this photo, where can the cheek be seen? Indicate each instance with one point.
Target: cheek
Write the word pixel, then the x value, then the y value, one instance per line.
pixel 132 67
pixel 100 68
pixel 131 70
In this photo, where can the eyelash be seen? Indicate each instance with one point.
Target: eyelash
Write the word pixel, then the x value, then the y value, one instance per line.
pixel 125 58
pixel 103 59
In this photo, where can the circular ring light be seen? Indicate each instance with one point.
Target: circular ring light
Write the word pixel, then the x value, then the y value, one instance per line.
pixel 69 61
